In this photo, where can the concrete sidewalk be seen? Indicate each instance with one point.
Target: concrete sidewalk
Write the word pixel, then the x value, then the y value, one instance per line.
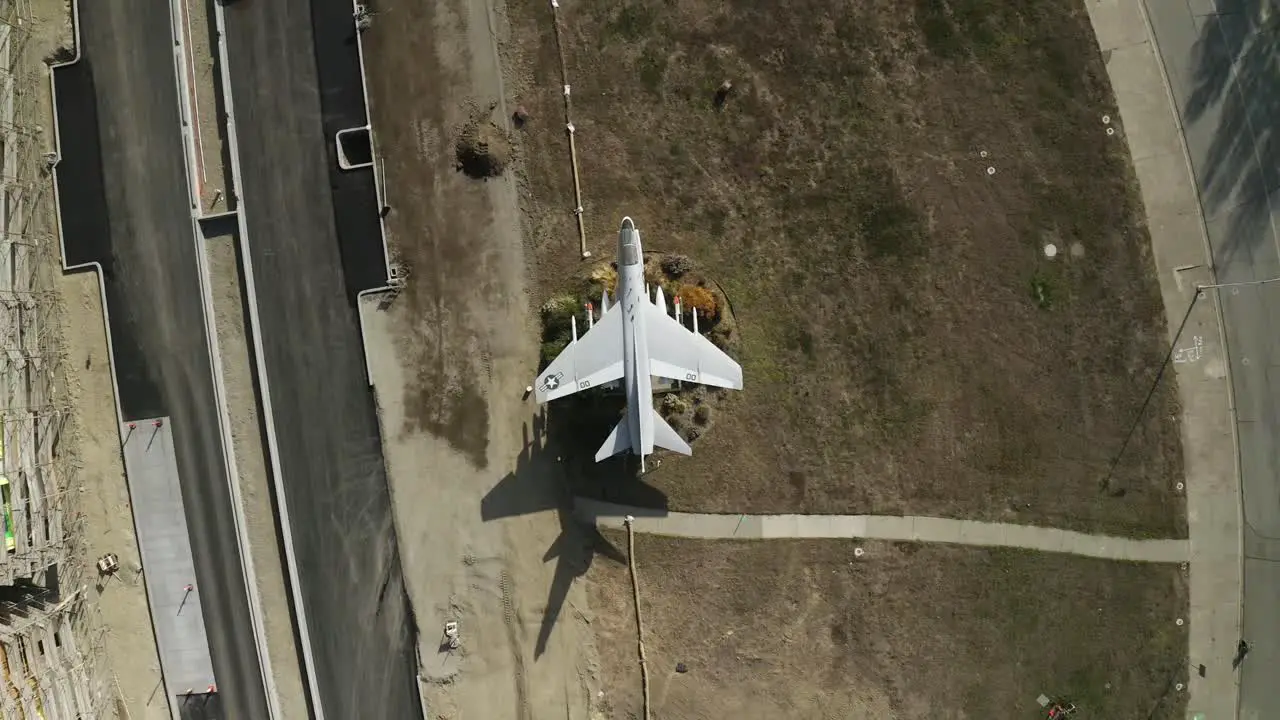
pixel 880 527
pixel 1150 124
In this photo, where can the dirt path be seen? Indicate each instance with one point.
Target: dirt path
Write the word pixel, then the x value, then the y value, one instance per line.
pixel 476 506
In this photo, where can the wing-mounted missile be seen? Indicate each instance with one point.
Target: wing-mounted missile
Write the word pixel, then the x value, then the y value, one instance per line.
pixel 591 316
pixel 659 299
pixel 604 301
pixel 694 313
pixel 679 311
pixel 573 326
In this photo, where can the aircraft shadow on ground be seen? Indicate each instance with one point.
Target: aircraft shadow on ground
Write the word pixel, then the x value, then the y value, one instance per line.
pixel 551 470
pixel 1236 64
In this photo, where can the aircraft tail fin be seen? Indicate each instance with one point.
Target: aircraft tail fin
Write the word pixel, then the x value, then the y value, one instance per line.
pixel 618 441
pixel 666 437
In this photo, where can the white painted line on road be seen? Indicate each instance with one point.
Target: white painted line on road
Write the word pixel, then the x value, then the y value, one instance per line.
pixel 177 11
pixel 268 417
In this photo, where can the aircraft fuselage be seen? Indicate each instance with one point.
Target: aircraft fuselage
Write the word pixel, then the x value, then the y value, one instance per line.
pixel 632 293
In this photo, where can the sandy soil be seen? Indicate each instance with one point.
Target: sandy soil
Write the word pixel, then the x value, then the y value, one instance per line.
pixel 207 107
pixel 106 516
pixel 807 629
pixel 476 503
pixel 254 480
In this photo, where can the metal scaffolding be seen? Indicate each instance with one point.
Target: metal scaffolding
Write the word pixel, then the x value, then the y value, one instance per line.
pixel 31 415
pixel 45 673
pixel 50 638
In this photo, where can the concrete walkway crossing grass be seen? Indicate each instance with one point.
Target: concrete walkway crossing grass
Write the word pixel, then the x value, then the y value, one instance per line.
pixel 880 527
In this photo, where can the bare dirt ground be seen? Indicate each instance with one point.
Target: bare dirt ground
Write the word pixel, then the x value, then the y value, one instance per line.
pixel 480 514
pixel 804 629
pixel 875 195
pixel 254 482
pixel 207 106
pixel 129 654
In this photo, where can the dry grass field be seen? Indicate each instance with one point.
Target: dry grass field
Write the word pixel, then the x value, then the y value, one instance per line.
pixel 804 629
pixel 907 345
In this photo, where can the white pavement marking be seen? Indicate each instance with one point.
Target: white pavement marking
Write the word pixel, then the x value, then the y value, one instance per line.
pixel 880 527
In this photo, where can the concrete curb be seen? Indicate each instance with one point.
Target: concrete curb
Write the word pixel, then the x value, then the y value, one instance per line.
pixel 268 418
pixel 233 478
pixel 180 66
pixel 880 527
pixel 1125 28
pixel 177 13
pixel 380 192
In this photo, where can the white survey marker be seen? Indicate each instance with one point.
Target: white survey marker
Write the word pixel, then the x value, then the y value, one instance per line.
pixel 634 340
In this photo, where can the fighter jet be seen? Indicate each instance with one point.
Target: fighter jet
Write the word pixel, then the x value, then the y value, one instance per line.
pixel 634 340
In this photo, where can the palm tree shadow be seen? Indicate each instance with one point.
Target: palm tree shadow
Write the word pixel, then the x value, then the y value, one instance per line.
pixel 1235 80
pixel 546 473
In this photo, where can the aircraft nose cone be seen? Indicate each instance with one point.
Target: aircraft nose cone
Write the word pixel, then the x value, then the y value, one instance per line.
pixel 627 224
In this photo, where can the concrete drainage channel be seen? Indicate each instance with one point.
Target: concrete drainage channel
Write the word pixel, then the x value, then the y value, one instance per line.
pixel 355 148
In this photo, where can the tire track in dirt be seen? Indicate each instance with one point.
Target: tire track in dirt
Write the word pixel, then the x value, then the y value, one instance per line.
pixel 512 622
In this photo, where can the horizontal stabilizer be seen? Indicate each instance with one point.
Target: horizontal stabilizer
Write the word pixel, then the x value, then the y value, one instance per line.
pixel 666 437
pixel 618 441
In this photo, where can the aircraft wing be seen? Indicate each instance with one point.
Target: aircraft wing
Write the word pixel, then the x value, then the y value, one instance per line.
pixel 595 359
pixel 678 353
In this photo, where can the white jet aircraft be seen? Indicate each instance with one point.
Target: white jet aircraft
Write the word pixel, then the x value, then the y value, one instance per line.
pixel 634 340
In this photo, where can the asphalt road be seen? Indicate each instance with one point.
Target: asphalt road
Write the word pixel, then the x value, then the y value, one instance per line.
pixel 310 235
pixel 124 204
pixel 1221 62
pixel 355 201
